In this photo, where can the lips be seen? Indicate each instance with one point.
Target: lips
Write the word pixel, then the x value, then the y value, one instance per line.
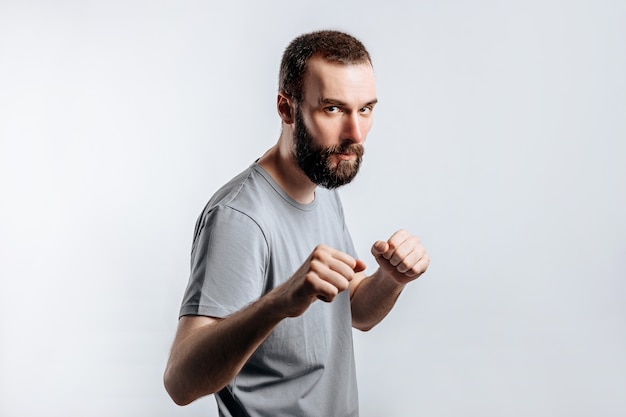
pixel 345 156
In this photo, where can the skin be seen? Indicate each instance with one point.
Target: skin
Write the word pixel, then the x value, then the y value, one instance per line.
pixel 208 352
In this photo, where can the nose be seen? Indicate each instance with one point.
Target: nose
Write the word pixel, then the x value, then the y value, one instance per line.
pixel 355 128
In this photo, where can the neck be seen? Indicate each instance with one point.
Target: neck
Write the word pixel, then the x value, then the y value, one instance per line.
pixel 281 164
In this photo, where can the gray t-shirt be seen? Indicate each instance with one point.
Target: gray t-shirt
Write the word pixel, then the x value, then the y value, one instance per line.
pixel 250 238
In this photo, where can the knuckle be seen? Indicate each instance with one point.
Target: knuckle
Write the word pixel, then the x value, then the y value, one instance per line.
pixel 320 253
pixel 402 252
pixel 343 285
pixel 310 277
pixel 403 233
pixel 321 248
pixel 316 257
pixel 315 265
pixel 406 267
pixel 330 294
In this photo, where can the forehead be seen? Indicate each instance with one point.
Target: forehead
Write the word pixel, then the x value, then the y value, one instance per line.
pixel 351 83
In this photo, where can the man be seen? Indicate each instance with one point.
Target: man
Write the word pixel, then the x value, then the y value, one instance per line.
pixel 275 286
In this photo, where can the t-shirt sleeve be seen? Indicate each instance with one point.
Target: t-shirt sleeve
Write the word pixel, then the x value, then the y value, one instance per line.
pixel 228 262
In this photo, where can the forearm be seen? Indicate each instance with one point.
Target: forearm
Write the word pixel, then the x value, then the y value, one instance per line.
pixel 373 299
pixel 204 359
pixel 208 353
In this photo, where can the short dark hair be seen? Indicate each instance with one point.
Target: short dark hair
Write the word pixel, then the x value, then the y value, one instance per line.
pixel 331 45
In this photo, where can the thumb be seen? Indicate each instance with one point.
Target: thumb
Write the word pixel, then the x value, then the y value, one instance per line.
pixel 360 266
pixel 379 247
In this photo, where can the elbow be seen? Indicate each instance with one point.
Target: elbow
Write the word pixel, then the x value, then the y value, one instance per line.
pixel 180 400
pixel 177 393
pixel 364 327
pixel 364 322
pixel 185 393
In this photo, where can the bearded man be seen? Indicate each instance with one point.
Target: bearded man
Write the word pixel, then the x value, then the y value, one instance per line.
pixel 276 286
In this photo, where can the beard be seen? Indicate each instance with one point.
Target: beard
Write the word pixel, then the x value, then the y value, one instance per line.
pixel 316 162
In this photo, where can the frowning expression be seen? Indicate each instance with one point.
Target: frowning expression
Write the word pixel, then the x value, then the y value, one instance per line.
pixel 333 120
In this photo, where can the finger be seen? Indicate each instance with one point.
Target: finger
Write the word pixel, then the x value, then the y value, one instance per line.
pixel 326 291
pixel 335 267
pixel 419 268
pixel 411 247
pixel 354 265
pixel 379 248
pixel 409 261
pixel 360 266
pixel 332 271
pixel 401 242
pixel 387 250
pixel 341 268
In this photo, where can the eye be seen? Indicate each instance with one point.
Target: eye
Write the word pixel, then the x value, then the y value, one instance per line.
pixel 332 109
pixel 366 110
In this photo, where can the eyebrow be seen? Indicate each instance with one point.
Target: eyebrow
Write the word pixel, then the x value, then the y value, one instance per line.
pixel 341 103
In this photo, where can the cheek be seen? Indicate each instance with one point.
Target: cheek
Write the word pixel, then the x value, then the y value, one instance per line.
pixel 326 133
pixel 366 125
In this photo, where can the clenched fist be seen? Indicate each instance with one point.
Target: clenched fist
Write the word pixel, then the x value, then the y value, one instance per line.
pixel 326 273
pixel 402 257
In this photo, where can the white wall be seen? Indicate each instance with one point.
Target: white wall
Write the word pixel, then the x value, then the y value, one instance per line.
pixel 499 139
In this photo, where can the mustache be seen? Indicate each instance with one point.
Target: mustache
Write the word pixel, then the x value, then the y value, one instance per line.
pixel 346 148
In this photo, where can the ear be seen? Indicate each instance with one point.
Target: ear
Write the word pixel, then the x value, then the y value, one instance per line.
pixel 286 110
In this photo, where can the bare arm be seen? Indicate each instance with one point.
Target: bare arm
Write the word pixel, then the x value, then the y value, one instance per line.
pixel 401 259
pixel 207 352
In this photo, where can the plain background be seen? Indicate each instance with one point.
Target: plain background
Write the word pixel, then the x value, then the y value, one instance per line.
pixel 499 139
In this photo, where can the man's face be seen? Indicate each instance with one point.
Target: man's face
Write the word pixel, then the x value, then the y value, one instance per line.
pixel 333 120
pixel 318 162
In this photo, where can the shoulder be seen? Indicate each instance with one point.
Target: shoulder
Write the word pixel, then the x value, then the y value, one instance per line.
pixel 241 193
pixel 237 204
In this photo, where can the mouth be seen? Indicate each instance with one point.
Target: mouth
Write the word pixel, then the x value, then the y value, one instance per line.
pixel 345 156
